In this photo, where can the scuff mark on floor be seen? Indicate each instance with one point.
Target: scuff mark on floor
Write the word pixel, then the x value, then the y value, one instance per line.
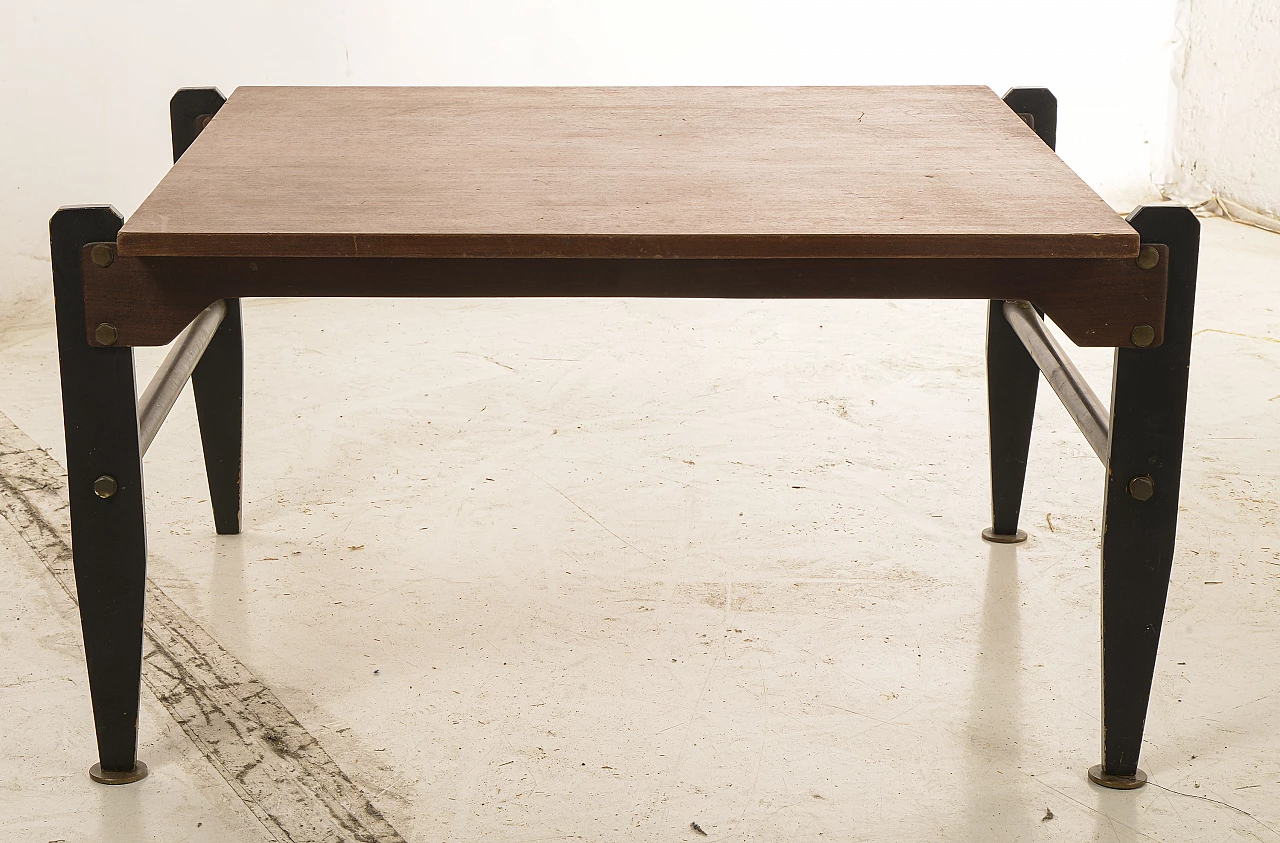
pixel 1235 334
pixel 281 773
pixel 598 522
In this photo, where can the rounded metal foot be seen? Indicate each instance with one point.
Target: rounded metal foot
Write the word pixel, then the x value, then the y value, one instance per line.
pixel 1098 776
pixel 1004 538
pixel 102 776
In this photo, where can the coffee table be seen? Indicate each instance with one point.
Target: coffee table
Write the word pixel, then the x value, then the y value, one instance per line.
pixel 897 192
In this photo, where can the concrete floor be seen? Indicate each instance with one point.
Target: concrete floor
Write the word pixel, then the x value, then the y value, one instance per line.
pixel 600 569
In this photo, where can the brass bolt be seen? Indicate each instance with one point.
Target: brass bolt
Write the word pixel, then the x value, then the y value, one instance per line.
pixel 105 486
pixel 102 255
pixel 106 334
pixel 1143 336
pixel 1148 257
pixel 1142 488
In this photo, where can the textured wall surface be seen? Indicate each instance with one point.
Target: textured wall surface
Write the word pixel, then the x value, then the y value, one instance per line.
pixel 1226 124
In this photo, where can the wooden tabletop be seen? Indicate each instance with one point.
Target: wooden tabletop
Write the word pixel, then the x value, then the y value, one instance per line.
pixel 623 172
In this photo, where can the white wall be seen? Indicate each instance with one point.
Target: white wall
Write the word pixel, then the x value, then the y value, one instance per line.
pixel 1226 122
pixel 84 87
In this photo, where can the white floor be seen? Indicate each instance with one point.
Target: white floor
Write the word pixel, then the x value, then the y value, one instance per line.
pixel 600 569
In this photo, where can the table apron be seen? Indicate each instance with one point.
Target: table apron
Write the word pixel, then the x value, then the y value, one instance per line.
pixel 1095 301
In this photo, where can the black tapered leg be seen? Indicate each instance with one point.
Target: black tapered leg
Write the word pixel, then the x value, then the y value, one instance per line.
pixel 190 110
pixel 1012 376
pixel 218 380
pixel 1039 108
pixel 1012 379
pixel 1148 413
pixel 104 480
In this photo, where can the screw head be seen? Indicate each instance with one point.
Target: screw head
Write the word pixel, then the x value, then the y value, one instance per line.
pixel 1148 257
pixel 105 486
pixel 1143 336
pixel 102 255
pixel 106 334
pixel 1142 488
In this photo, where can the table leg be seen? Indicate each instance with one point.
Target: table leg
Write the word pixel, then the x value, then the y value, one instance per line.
pixel 1012 380
pixel 218 380
pixel 104 487
pixel 1039 108
pixel 190 110
pixel 1012 376
pixel 1148 413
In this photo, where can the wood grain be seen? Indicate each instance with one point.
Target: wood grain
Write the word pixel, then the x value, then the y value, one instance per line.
pixel 689 172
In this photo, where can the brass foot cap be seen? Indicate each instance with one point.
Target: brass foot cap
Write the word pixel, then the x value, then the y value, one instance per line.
pixel 1097 776
pixel 102 776
pixel 1004 538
